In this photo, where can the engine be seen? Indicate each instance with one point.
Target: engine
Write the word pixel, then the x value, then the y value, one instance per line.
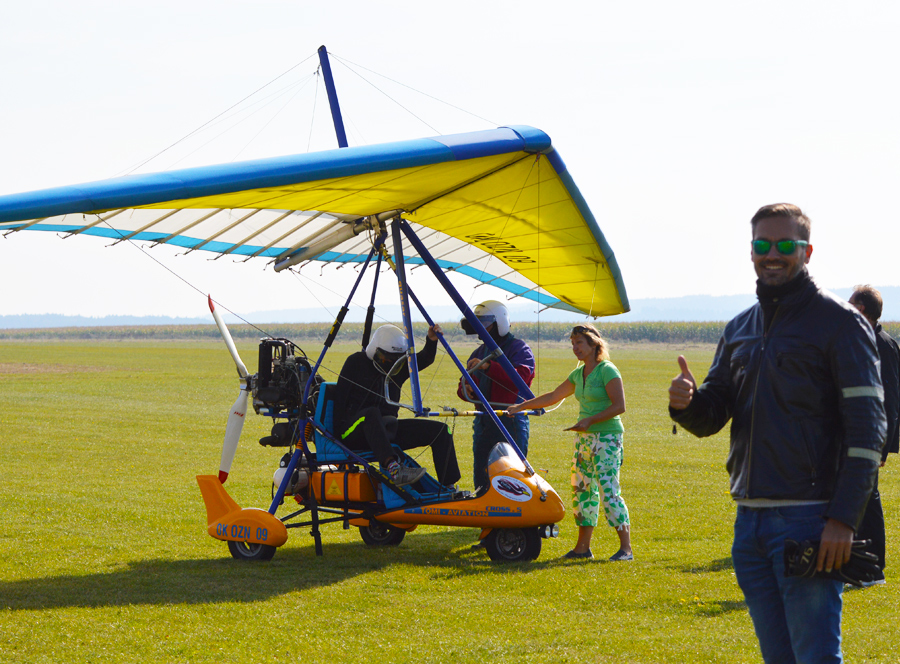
pixel 282 377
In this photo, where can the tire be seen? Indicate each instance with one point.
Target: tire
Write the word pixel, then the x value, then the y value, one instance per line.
pixel 381 534
pixel 509 545
pixel 250 551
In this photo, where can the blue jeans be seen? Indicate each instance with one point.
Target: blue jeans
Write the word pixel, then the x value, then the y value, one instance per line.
pixel 796 620
pixel 485 435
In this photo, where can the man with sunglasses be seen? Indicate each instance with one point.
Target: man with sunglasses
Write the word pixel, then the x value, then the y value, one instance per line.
pixel 797 374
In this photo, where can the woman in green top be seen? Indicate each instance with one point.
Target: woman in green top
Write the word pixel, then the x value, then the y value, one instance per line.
pixel 598 444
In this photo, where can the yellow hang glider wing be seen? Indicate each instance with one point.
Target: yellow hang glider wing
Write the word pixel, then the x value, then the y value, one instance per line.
pixel 498 206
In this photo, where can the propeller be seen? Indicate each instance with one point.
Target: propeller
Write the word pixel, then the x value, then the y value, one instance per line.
pixel 239 408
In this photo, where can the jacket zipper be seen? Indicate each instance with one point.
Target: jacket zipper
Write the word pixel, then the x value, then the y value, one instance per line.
pixel 762 352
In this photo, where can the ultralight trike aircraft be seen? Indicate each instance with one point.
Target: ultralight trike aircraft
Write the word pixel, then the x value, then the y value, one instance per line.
pixel 498 206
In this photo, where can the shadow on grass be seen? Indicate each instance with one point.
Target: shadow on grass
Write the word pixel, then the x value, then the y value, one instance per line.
pixel 719 565
pixel 162 582
pixel 719 607
pixel 712 608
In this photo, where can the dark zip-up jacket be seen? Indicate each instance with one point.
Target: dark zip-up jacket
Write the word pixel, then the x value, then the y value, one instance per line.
pixel 361 385
pixel 889 353
pixel 799 378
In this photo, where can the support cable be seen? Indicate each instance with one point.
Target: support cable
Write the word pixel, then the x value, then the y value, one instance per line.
pixel 208 122
pixel 346 63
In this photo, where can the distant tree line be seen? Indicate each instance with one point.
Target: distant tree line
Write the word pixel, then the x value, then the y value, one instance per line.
pixel 654 332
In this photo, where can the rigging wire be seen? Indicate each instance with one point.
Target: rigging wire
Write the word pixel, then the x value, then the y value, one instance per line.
pixel 271 120
pixel 540 234
pixel 188 135
pixel 394 100
pixel 355 132
pixel 258 110
pixel 312 119
pixel 178 276
pixel 345 62
pixel 297 274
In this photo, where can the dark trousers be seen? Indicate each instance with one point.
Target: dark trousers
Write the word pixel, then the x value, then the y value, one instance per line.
pixel 485 435
pixel 379 432
pixel 872 525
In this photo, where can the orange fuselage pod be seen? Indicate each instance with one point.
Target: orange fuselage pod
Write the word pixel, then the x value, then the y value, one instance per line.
pixel 228 521
pixel 514 500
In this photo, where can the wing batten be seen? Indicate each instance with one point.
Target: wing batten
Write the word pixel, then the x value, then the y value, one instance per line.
pixel 258 232
pixel 99 221
pixel 262 250
pixel 147 226
pixel 183 230
pixel 224 230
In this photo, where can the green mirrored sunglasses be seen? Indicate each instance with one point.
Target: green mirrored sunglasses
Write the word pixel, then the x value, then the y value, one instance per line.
pixel 784 247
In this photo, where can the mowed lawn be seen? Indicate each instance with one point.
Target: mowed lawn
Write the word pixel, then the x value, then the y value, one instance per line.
pixel 104 555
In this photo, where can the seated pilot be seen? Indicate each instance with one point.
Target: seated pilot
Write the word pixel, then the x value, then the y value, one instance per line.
pixel 363 419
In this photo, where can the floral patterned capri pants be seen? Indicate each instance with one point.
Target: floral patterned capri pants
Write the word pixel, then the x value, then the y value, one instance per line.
pixel 595 474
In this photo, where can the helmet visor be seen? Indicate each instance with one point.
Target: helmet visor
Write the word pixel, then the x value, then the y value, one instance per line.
pixel 485 320
pixel 388 363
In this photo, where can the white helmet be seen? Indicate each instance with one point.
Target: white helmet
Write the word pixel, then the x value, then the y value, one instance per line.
pixel 492 311
pixel 388 338
pixel 387 345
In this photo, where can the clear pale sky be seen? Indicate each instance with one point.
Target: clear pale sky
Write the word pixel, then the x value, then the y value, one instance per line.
pixel 676 120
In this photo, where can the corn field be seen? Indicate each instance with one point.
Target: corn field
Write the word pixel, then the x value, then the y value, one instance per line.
pixel 652 332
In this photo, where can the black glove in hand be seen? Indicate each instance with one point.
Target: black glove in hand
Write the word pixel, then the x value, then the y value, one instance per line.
pixel 800 560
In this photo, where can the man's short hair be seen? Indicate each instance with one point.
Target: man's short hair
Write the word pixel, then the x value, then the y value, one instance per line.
pixel 871 300
pixel 787 211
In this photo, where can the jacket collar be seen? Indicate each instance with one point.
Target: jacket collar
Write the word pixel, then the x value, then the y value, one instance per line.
pixel 788 293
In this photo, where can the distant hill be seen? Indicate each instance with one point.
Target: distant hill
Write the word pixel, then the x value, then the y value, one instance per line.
pixel 31 321
pixel 725 307
pixel 688 308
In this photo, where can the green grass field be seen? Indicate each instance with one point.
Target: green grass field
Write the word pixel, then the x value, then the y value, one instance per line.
pixel 104 555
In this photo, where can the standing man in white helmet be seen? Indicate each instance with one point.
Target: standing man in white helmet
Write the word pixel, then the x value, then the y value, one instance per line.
pixel 497 387
pixel 364 420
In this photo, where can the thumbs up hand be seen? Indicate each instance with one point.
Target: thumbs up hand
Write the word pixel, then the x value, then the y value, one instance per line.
pixel 683 387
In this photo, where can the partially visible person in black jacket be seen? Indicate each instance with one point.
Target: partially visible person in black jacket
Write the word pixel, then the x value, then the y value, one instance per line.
pixel 869 303
pixel 797 375
pixel 364 419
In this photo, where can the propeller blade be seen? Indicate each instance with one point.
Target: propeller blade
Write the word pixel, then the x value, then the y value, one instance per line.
pixel 233 433
pixel 229 342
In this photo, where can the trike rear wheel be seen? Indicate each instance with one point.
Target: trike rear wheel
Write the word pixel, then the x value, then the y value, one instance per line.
pixel 513 544
pixel 381 534
pixel 250 551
